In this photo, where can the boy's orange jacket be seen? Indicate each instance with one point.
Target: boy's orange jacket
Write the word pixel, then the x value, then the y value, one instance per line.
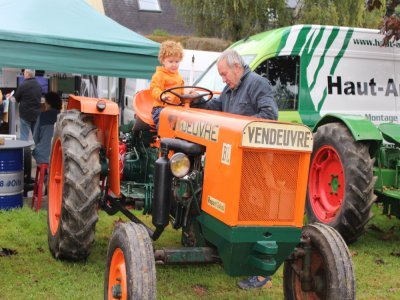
pixel 162 80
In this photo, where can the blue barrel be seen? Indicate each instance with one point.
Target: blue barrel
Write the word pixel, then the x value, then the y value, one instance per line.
pixel 11 178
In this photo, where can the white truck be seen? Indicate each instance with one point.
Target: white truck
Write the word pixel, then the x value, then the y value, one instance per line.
pixel 343 84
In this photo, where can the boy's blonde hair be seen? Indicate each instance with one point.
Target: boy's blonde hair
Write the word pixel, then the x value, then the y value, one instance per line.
pixel 170 48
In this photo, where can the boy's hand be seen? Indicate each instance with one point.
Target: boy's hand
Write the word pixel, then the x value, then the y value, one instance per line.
pixel 165 97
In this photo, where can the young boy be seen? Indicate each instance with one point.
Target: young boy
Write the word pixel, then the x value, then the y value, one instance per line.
pixel 166 76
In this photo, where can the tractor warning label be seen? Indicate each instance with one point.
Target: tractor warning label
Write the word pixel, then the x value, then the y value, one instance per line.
pixel 277 136
pixel 218 205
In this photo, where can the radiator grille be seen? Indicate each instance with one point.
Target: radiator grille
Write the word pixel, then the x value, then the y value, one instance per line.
pixel 268 187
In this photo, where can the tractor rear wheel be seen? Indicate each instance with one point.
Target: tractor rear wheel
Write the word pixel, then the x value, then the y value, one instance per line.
pixel 130 270
pixel 74 189
pixel 341 183
pixel 330 267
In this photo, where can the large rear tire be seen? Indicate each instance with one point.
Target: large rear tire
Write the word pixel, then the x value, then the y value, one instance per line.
pixel 331 268
pixel 130 271
pixel 74 189
pixel 341 182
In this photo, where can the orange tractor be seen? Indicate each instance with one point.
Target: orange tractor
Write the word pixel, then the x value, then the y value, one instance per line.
pixel 235 186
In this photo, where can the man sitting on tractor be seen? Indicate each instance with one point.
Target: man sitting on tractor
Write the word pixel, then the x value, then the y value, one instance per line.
pixel 246 93
pixel 249 94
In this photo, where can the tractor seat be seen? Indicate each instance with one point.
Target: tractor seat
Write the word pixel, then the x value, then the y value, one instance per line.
pixel 143 105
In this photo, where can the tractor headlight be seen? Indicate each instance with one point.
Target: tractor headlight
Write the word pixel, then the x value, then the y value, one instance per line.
pixel 179 164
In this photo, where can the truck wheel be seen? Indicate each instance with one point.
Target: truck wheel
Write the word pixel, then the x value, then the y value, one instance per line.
pixel 341 182
pixel 74 188
pixel 331 268
pixel 130 270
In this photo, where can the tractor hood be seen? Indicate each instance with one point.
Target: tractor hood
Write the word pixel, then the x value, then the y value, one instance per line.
pixel 248 161
pixel 207 127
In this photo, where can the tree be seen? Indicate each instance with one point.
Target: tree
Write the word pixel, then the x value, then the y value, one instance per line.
pixel 236 19
pixel 372 19
pixel 336 12
pixel 391 21
pixel 318 12
pixel 350 12
pixel 233 19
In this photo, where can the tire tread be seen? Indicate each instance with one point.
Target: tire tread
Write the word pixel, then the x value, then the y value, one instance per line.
pixel 355 210
pixel 81 189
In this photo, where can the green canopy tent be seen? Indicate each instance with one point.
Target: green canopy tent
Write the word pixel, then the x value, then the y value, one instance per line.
pixel 70 36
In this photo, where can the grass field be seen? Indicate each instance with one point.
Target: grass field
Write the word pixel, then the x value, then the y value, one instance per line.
pixel 32 273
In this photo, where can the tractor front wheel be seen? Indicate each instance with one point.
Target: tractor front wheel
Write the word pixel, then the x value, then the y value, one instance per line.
pixel 130 271
pixel 341 183
pixel 320 267
pixel 74 188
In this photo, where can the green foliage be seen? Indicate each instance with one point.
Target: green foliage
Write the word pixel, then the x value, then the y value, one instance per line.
pixel 338 12
pixel 350 12
pixel 372 19
pixel 236 19
pixel 34 274
pixel 233 19
pixel 160 32
pixel 318 12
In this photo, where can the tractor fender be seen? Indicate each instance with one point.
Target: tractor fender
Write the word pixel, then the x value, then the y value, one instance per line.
pixel 105 118
pixel 360 127
pixel 89 105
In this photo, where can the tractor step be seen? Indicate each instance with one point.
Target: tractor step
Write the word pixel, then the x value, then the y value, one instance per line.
pixel 189 255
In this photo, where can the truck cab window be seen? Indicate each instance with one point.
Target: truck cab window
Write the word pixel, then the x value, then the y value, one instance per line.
pixel 283 72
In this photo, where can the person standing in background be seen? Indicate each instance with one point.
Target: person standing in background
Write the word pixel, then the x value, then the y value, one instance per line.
pixel 28 96
pixel 43 132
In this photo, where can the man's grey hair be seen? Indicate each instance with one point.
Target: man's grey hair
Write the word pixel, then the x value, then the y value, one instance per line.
pixel 232 58
pixel 30 72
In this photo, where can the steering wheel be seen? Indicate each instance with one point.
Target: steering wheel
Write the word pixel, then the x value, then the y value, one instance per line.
pixel 198 94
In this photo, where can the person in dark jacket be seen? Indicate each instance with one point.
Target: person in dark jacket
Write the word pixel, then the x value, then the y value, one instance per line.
pixel 246 93
pixel 249 94
pixel 28 96
pixel 44 127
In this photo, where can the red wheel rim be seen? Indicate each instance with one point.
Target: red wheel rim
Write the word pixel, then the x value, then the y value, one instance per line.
pixel 117 276
pixel 326 184
pixel 55 186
